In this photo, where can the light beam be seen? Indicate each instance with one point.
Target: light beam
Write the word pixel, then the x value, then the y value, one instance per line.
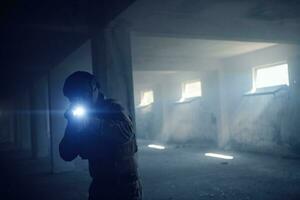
pixel 155 146
pixel 215 155
pixel 79 111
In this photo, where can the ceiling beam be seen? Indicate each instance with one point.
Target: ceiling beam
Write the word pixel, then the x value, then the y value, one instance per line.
pixel 223 21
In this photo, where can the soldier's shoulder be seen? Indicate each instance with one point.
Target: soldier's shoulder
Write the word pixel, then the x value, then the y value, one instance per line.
pixel 116 111
pixel 113 106
pixel 110 108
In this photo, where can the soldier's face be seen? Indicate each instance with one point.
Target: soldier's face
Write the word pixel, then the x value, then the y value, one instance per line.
pixel 84 98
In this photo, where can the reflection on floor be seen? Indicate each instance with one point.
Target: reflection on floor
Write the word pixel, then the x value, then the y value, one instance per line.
pixel 175 173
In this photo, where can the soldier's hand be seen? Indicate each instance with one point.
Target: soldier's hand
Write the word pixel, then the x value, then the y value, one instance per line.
pixel 76 124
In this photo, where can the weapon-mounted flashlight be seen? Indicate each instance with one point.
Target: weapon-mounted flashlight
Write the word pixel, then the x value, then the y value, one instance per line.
pixel 79 111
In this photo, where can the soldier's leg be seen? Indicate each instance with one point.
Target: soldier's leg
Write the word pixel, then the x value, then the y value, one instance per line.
pixel 130 191
pixel 92 191
pixel 101 190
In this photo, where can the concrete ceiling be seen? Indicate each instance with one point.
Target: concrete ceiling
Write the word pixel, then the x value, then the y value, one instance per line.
pixel 256 20
pixel 162 53
pixel 37 35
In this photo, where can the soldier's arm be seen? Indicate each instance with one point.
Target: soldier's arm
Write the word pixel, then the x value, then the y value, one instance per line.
pixel 69 145
pixel 119 128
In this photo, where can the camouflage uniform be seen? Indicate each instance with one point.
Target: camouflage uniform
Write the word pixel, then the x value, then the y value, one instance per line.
pixel 108 142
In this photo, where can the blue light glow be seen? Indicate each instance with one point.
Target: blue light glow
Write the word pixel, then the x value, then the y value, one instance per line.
pixel 79 111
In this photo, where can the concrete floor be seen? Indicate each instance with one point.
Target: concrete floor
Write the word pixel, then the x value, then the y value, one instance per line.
pixel 174 173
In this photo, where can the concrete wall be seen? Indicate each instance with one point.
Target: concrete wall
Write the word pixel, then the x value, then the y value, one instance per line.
pixel 290 127
pixel 40 118
pixel 224 114
pixel 80 59
pixel 256 122
pixel 17 123
pixel 7 132
pixel 23 123
pixel 169 121
pixel 112 65
pixel 149 119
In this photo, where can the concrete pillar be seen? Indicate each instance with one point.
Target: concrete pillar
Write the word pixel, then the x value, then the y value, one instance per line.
pixel 80 59
pixel 17 123
pixel 7 115
pixel 12 128
pixel 3 125
pixel 111 51
pixel 21 121
pixel 40 118
pixel 10 122
pixel 223 124
pixel 290 124
pixel 25 121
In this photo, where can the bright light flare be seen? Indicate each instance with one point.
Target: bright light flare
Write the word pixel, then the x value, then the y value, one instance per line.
pixel 155 146
pixel 215 155
pixel 79 111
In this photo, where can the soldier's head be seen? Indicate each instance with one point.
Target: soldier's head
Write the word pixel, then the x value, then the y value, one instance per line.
pixel 82 86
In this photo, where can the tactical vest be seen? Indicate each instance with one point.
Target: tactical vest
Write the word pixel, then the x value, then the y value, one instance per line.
pixel 106 158
pixel 122 165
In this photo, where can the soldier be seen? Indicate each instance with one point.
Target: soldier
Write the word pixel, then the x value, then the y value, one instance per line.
pixel 98 130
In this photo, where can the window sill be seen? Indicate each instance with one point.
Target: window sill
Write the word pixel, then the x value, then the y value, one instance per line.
pixel 144 106
pixel 187 100
pixel 267 91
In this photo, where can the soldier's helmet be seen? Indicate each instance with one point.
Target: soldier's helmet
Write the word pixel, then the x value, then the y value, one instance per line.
pixel 80 84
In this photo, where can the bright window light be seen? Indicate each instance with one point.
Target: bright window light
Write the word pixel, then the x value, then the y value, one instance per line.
pixel 271 76
pixel 215 155
pixel 155 146
pixel 147 98
pixel 191 89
